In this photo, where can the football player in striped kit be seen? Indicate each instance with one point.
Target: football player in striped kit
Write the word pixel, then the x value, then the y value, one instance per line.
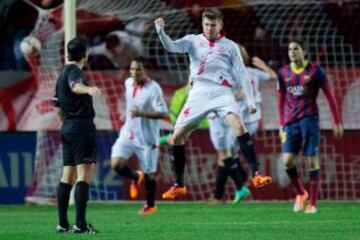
pixel 299 83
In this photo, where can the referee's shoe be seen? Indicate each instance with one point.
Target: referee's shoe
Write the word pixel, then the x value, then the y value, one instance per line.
pixel 88 228
pixel 61 229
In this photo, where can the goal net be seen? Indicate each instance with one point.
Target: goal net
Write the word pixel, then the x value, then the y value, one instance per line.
pixel 264 27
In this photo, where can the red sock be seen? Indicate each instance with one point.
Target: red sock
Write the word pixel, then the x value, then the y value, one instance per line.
pixel 295 180
pixel 314 186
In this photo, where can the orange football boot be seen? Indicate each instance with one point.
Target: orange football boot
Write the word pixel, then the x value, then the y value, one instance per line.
pixel 135 186
pixel 260 180
pixel 174 192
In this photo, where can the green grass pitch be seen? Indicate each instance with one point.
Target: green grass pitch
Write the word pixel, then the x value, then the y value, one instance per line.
pixel 189 221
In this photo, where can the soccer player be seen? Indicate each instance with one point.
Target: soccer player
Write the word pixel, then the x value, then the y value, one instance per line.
pixel 224 140
pixel 145 105
pixel 298 87
pixel 176 104
pixel 213 60
pixel 73 96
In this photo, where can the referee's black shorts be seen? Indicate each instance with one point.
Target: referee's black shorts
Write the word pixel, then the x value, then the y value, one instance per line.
pixel 79 143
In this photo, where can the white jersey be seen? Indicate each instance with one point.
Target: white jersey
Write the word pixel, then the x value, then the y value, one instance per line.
pixel 211 62
pixel 256 76
pixel 149 98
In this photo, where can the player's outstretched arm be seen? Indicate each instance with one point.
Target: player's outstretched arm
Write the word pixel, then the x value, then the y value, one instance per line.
pixel 80 88
pixel 244 78
pixel 259 63
pixel 178 46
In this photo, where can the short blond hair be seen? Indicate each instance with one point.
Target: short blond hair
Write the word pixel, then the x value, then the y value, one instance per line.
pixel 213 14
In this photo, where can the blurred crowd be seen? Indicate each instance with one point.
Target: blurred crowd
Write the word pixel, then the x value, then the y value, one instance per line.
pixel 17 20
pixel 113 45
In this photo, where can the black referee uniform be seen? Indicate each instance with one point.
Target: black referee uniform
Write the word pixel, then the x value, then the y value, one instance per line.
pixel 78 132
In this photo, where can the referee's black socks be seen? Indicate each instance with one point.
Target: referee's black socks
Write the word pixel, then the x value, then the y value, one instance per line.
pixel 63 196
pixel 179 163
pixel 81 198
pixel 248 150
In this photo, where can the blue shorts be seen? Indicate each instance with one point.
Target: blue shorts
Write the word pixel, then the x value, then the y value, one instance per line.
pixel 306 133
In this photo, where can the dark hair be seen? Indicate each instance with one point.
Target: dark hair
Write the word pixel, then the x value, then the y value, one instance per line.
pixel 299 41
pixel 112 41
pixel 76 49
pixel 141 60
pixel 213 14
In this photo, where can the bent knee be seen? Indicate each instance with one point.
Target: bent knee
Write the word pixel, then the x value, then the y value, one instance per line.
pixel 117 163
pixel 150 176
pixel 313 162
pixel 239 128
pixel 68 175
pixel 178 139
pixel 288 160
pixel 84 172
pixel 68 179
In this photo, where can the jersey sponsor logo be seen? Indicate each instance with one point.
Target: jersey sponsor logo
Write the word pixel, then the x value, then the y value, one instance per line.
pixel 296 90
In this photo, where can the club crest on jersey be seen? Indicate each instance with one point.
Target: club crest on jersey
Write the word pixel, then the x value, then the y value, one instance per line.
pixel 202 44
pixel 221 49
pixel 307 78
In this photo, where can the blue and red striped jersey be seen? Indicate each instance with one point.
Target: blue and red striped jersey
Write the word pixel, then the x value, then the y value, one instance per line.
pixel 298 90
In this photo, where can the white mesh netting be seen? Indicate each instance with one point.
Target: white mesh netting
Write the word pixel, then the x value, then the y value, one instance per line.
pixel 264 27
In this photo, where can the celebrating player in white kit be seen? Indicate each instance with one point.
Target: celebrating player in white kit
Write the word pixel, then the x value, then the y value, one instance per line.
pixel 140 134
pixel 214 61
pixel 223 139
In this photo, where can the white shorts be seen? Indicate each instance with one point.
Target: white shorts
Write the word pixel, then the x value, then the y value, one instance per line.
pixel 205 98
pixel 221 135
pixel 147 155
pixel 252 128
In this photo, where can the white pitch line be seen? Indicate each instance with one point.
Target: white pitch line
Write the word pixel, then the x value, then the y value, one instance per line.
pixel 244 223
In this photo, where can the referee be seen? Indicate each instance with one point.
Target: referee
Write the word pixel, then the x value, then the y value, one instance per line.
pixel 73 97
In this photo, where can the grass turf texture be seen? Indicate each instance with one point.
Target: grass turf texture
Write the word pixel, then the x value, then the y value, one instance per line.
pixel 189 221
